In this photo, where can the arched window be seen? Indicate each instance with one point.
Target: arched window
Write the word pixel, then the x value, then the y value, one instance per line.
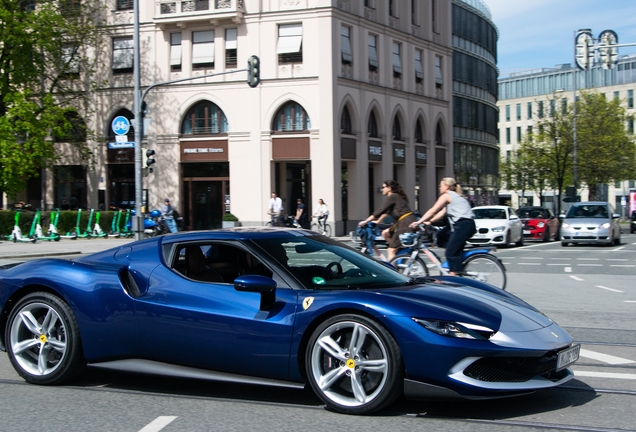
pixel 345 122
pixel 438 135
pixel 291 117
pixel 372 126
pixel 204 118
pixel 419 132
pixel 397 129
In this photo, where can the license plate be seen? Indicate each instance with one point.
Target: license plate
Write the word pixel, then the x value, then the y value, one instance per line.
pixel 526 232
pixel 567 357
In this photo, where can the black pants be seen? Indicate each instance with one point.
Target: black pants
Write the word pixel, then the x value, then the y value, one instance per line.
pixel 462 231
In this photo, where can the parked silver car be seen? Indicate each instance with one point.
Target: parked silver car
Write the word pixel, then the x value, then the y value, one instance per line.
pixel 591 222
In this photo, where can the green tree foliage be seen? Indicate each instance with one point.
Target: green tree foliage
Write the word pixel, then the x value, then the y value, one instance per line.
pixel 605 151
pixel 518 171
pixel 44 81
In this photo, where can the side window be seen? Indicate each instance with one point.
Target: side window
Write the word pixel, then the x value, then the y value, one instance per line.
pixel 217 263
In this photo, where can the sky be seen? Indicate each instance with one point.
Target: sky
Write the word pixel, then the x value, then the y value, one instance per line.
pixel 536 34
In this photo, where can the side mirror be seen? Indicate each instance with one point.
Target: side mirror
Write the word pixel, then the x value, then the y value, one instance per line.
pixel 263 285
pixel 514 217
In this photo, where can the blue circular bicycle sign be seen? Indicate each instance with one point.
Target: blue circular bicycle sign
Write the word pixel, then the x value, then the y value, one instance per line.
pixel 120 125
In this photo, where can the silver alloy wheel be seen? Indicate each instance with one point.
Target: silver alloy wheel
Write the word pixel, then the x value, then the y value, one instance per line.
pixel 38 339
pixel 349 364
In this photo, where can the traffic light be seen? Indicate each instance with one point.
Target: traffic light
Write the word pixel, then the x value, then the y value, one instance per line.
pixel 253 71
pixel 149 159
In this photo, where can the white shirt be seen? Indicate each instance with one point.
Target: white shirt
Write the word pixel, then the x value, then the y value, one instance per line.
pixel 275 204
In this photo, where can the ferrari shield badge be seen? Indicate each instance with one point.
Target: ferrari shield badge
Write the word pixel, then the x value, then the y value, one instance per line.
pixel 307 302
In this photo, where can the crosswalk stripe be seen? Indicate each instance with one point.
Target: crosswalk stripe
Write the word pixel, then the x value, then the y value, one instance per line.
pixel 605 358
pixel 157 424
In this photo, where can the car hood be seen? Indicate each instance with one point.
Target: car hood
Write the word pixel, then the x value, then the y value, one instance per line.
pixel 591 221
pixel 498 311
pixel 489 223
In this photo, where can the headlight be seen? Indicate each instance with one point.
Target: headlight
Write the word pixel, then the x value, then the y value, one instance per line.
pixel 605 225
pixel 456 329
pixel 540 224
pixel 565 225
pixel 498 229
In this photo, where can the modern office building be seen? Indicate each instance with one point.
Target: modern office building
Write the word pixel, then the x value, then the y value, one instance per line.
pixel 524 96
pixel 352 93
pixel 476 151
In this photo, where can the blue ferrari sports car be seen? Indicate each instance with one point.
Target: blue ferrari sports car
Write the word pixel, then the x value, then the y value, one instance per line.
pixel 279 307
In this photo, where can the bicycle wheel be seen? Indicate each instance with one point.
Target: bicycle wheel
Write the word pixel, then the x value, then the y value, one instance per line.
pixel 486 268
pixel 315 227
pixel 417 269
pixel 327 231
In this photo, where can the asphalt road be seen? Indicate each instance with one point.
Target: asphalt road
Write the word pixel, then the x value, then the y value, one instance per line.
pixel 588 290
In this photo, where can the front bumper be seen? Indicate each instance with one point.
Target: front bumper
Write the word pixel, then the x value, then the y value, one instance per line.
pixel 580 235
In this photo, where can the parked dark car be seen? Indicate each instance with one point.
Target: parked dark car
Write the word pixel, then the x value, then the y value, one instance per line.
pixel 632 223
pixel 539 223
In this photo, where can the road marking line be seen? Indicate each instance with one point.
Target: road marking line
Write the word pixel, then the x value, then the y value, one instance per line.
pixel 561 258
pixel 577 278
pixel 616 259
pixel 622 265
pixel 590 265
pixel 605 358
pixel 629 301
pixel 528 263
pixel 568 269
pixel 588 259
pixel 605 375
pixel 609 289
pixel 157 424
pixel 617 249
pixel 535 258
pixel 558 264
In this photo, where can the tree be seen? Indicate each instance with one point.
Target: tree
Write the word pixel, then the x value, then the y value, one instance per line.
pixel 45 73
pixel 518 171
pixel 605 152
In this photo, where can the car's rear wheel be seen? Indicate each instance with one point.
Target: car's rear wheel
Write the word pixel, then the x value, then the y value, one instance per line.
pixel 43 340
pixel 354 365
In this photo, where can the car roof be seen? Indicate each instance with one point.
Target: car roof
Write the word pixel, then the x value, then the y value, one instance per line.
pixel 237 233
pixel 499 207
pixel 590 203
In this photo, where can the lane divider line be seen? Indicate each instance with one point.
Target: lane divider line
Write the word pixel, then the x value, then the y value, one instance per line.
pixel 157 424
pixel 609 289
pixel 576 278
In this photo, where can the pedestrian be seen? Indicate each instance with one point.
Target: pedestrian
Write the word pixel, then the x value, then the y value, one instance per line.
pixel 275 209
pixel 64 205
pixel 167 212
pixel 460 216
pixel 322 213
pixel 301 215
pixel 395 205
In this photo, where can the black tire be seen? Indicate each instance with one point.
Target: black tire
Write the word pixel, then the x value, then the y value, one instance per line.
pixel 338 370
pixel 564 244
pixel 417 269
pixel 508 240
pixel 59 345
pixel 519 243
pixel 486 268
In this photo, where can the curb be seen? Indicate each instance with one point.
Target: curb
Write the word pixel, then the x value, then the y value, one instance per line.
pixel 40 255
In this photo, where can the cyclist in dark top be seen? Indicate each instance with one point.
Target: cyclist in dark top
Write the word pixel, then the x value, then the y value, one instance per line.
pixel 396 205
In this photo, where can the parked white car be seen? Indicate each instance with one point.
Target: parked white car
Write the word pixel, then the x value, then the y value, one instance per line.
pixel 497 225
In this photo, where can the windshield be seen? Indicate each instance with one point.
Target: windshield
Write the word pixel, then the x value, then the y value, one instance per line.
pixel 490 213
pixel 321 263
pixel 588 211
pixel 532 213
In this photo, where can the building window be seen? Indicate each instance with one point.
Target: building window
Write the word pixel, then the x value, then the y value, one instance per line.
pixel 507 135
pixel 125 4
pixel 290 43
pixel 204 118
pixel 123 53
pixel 372 126
pixel 373 53
pixel 345 122
pixel 397 60
pixel 439 76
pixel 630 127
pixel 414 12
pixel 508 154
pixel 291 117
pixel 529 131
pixel 70 58
pixel 175 52
pixel 230 48
pixel 397 129
pixel 518 134
pixel 507 113
pixel 552 107
pixel 518 111
pixel 617 95
pixel 630 99
pixel 392 8
pixel 419 69
pixel 434 15
pixel 540 109
pixel 203 49
pixel 345 40
pixel 419 134
pixel 529 110
pixel 564 106
pixel 368 3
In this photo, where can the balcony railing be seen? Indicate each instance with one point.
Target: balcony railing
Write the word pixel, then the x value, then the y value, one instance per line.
pixel 189 10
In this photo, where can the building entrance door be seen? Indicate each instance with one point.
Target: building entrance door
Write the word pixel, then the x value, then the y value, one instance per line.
pixel 203 204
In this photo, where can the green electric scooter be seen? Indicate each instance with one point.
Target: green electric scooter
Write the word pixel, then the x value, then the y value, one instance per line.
pixel 16 234
pixel 52 234
pixel 114 227
pixel 87 233
pixel 97 230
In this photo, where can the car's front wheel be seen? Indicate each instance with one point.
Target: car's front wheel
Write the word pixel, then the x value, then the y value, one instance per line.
pixel 43 340
pixel 354 365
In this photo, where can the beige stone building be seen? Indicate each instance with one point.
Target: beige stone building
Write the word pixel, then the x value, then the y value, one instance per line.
pixel 352 93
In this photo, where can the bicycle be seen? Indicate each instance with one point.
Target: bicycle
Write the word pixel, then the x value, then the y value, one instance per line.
pixel 318 225
pixel 478 264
